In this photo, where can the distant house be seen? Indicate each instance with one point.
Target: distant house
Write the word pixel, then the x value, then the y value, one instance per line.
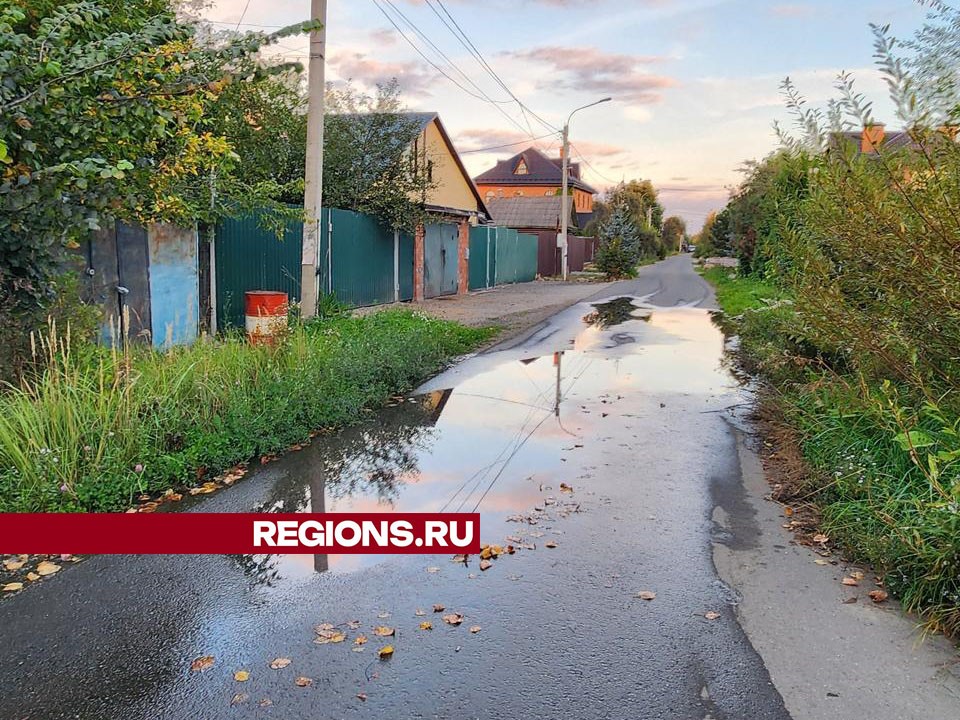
pixel 441 246
pixel 540 216
pixel 532 174
pixel 875 137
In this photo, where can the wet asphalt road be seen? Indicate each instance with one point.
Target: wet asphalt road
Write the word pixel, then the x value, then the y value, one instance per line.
pixel 643 439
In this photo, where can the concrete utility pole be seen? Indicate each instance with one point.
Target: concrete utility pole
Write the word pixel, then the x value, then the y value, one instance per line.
pixel 565 198
pixel 313 185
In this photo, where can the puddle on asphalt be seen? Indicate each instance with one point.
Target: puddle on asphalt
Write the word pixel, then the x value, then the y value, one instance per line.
pixel 501 438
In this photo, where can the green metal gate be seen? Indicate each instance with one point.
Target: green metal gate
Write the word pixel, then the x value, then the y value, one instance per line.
pixel 440 259
pixel 483 256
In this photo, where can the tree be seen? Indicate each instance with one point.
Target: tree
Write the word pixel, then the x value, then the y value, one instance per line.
pixel 672 233
pixel 619 250
pixel 102 113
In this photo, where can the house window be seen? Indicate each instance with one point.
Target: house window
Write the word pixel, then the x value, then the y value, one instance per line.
pixel 500 192
pixel 521 168
pixel 490 194
pixel 549 193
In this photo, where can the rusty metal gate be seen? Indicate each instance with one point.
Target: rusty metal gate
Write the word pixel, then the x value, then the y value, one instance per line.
pixel 440 259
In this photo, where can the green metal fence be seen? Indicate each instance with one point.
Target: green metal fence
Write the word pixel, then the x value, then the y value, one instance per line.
pixel 360 261
pixel 500 255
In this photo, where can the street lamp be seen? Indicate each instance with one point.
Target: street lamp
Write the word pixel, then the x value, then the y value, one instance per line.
pixel 565 203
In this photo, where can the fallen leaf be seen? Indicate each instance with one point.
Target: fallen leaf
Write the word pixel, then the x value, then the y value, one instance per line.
pixel 420 612
pixel 384 631
pixel 360 640
pixel 849 581
pixel 485 564
pixel 384 615
pixel 362 697
pixel 550 544
pixel 13 587
pixel 438 608
pixel 850 601
pixel 325 637
pixel 32 576
pixel 426 625
pixel 12 565
pixel 712 615
pixel 239 699
pixel 564 488
pixel 459 559
pixel 878 596
pixel 385 652
pixel 266 702
pixel 303 682
pixel 453 619
pixel 820 539
pixel 280 663
pixel 47 568
pixel 821 561
pixel 475 629
pixel 202 663
pixel 857 575
pixel 646 595
pixel 322 627
pixel 788 511
pixel 241 676
pixel 353 624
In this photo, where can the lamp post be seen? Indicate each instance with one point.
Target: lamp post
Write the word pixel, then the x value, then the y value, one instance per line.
pixel 565 202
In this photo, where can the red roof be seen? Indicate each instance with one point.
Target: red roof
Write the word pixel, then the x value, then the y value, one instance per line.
pixel 541 170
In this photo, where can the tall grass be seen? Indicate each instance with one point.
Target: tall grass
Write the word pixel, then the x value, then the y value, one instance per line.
pixel 93 428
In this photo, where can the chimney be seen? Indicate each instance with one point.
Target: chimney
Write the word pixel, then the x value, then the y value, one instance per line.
pixel 872 138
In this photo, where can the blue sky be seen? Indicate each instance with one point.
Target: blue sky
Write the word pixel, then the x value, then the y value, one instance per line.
pixel 695 82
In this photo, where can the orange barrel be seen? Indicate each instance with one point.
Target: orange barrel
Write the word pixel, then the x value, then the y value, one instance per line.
pixel 265 313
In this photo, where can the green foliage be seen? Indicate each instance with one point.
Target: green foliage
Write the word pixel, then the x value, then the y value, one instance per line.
pixel 619 252
pixel 672 233
pixel 94 429
pixel 863 353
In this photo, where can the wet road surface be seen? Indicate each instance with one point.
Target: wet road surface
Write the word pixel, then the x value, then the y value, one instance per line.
pixel 619 398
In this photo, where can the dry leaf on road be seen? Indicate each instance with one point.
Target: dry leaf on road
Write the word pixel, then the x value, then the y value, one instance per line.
pixel 849 581
pixel 241 675
pixel 384 631
pixel 426 625
pixel 485 564
pixel 239 699
pixel 453 619
pixel 12 565
pixel 438 608
pixel 712 615
pixel 385 652
pixel 475 629
pixel 878 596
pixel 646 595
pixel 13 587
pixel 550 544
pixel 303 682
pixel 325 637
pixel 280 663
pixel 362 697
pixel 360 640
pixel 420 612
pixel 47 568
pixel 202 663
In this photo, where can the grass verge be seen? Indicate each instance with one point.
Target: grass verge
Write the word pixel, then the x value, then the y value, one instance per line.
pixel 96 429
pixel 883 472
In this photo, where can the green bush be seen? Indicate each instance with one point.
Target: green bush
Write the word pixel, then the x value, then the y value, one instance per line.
pixel 96 428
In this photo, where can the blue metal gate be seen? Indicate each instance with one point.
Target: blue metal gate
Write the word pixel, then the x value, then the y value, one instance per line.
pixel 440 260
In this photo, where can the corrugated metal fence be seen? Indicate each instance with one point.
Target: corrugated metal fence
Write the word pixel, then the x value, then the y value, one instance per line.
pixel 500 255
pixel 361 262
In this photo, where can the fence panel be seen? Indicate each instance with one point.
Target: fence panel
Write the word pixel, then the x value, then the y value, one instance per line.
pixel 482 254
pixel 526 270
pixel 356 258
pixel 249 256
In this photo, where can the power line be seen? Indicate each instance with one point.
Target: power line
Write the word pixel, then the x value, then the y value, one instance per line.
pixel 506 145
pixel 410 42
pixel 587 163
pixel 458 32
pixel 243 14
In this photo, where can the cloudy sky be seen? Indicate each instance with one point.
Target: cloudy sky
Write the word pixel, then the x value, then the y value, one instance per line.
pixel 694 82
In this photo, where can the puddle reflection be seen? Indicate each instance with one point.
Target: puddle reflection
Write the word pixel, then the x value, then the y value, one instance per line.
pixel 494 442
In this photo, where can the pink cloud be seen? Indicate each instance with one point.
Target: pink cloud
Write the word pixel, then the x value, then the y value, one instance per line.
pixel 414 78
pixel 582 68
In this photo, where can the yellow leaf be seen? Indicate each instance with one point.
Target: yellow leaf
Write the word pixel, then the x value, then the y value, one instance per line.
pixel 385 652
pixel 13 587
pixel 32 576
pixel 202 663
pixel 47 568
pixel 383 631
pixel 426 625
pixel 12 565
pixel 325 637
pixel 241 676
pixel 360 640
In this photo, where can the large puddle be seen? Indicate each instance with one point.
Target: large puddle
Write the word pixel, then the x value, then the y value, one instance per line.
pixel 498 433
